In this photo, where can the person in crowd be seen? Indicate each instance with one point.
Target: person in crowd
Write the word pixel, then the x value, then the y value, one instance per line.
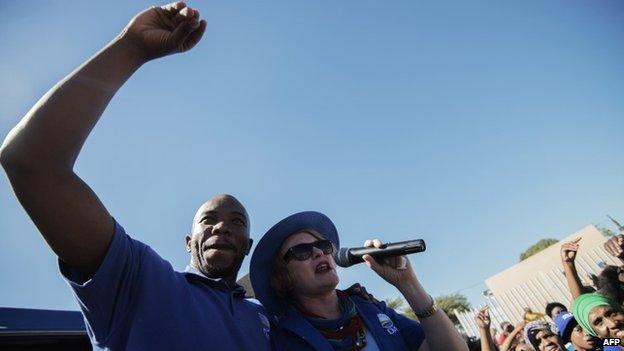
pixel 530 316
pixel 599 316
pixel 568 256
pixel 554 308
pixel 542 336
pixel 571 332
pixel 483 321
pixel 293 274
pixel 611 283
pixel 130 297
pixel 615 246
pixel 514 338
pixel 506 329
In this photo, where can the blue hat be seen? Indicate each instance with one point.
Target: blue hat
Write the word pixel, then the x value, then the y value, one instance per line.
pixel 565 323
pixel 261 266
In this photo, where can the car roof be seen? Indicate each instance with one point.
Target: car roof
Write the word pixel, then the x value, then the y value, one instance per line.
pixel 16 320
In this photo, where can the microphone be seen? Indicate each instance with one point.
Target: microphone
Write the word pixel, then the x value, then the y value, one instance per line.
pixel 347 257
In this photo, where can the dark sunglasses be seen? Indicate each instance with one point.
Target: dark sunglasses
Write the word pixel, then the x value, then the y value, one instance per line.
pixel 302 252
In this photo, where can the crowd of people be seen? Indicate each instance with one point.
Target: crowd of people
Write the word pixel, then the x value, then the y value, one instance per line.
pixel 596 312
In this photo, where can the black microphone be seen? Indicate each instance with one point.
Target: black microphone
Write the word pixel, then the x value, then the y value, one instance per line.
pixel 347 257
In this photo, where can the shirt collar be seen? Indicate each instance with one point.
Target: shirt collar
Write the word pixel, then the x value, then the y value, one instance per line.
pixel 237 290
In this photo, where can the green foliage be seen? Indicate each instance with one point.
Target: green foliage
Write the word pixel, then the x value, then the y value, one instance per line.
pixel 447 303
pixel 452 302
pixel 606 231
pixel 396 303
pixel 539 246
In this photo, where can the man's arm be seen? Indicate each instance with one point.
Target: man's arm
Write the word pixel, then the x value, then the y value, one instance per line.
pixel 568 255
pixel 39 153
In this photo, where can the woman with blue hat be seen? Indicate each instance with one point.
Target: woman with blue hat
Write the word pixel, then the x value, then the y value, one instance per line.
pixel 293 274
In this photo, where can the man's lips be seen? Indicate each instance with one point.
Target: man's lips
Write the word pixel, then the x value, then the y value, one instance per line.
pixel 220 246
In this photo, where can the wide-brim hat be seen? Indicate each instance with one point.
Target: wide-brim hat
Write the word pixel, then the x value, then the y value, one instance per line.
pixel 261 266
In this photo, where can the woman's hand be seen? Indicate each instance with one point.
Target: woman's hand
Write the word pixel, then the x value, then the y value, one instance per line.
pixel 482 318
pixel 395 270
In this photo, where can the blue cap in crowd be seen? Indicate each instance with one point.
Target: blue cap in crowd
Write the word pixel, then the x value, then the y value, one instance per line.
pixel 565 323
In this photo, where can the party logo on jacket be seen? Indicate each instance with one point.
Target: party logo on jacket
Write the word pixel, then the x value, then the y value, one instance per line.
pixel 386 323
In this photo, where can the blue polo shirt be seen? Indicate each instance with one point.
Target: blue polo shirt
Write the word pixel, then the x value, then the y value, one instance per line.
pixel 136 301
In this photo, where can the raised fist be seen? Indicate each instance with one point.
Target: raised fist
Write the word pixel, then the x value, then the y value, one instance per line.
pixel 614 246
pixel 482 318
pixel 163 30
pixel 569 250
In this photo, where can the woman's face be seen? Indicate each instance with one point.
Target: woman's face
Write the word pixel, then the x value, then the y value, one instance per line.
pixel 582 340
pixel 607 322
pixel 549 341
pixel 313 276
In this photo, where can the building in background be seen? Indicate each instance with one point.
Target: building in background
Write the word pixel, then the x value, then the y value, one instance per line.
pixel 539 280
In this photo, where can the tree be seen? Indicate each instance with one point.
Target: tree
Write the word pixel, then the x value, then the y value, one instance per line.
pixel 606 231
pixel 447 303
pixel 453 302
pixel 396 303
pixel 539 246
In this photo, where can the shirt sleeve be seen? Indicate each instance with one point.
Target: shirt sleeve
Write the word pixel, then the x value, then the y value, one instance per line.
pixel 411 330
pixel 107 298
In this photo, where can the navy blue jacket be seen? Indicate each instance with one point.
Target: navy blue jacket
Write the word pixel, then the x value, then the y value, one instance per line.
pixel 391 330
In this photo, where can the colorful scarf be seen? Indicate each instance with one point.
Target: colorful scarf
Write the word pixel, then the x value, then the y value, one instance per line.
pixel 345 333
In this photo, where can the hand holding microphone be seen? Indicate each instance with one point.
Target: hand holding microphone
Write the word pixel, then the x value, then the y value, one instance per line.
pixel 388 260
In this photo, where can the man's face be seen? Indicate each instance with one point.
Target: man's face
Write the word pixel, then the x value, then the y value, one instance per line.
pixel 607 322
pixel 582 340
pixel 549 341
pixel 556 310
pixel 220 237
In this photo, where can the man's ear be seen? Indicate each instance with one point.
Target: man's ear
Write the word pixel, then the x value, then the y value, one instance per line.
pixel 188 242
pixel 249 247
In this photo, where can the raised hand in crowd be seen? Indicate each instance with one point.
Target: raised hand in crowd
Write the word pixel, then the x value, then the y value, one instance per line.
pixel 615 246
pixel 482 318
pixel 511 339
pixel 568 255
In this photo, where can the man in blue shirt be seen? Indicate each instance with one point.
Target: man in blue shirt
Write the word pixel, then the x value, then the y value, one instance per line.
pixel 130 297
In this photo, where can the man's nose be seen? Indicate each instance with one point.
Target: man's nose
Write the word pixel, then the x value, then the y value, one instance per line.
pixel 220 228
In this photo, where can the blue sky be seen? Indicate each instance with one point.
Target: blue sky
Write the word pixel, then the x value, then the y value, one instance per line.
pixel 480 126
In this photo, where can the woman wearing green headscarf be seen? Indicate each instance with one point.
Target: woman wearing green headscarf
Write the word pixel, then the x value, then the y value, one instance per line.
pixel 599 316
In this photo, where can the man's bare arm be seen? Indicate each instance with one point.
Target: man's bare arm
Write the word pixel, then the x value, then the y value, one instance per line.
pixel 39 153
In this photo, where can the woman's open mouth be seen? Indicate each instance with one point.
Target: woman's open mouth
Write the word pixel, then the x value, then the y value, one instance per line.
pixel 322 267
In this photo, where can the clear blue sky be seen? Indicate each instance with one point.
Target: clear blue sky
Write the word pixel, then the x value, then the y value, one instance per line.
pixel 480 126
